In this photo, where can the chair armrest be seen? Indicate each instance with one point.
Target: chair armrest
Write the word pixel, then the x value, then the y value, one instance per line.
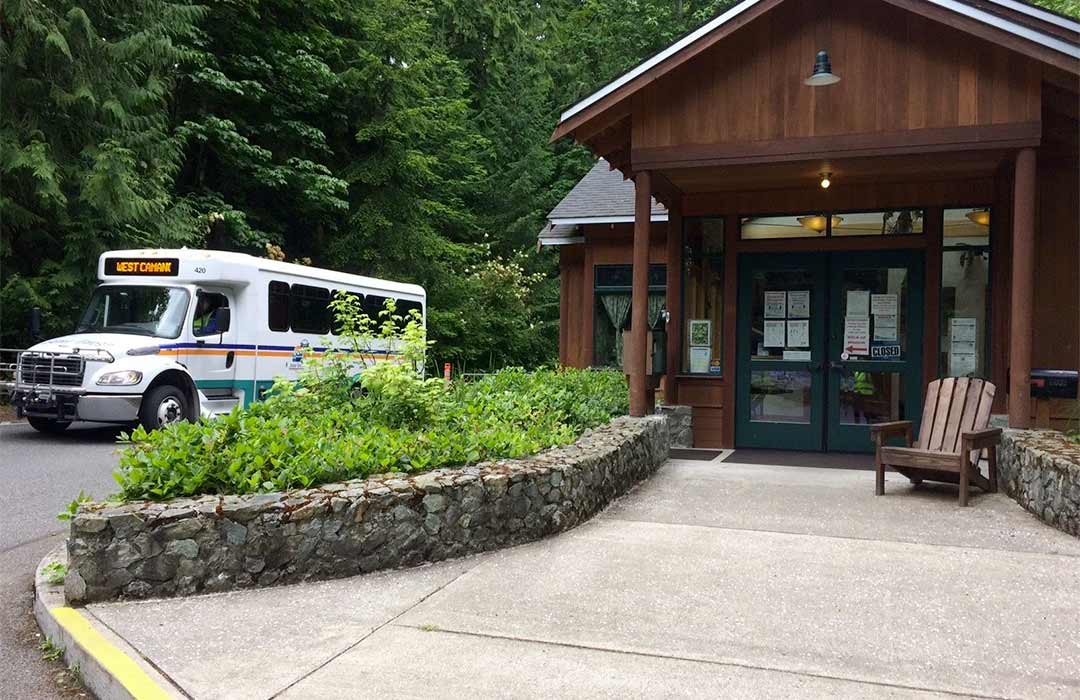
pixel 978 439
pixel 880 431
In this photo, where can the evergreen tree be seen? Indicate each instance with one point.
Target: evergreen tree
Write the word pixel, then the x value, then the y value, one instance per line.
pixel 87 153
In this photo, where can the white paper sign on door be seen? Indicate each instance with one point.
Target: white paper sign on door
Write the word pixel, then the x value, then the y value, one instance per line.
pixel 885 328
pixel 699 360
pixel 962 329
pixel 798 304
pixel 798 334
pixel 775 304
pixel 774 334
pixel 883 304
pixel 962 364
pixel 858 303
pixel 857 335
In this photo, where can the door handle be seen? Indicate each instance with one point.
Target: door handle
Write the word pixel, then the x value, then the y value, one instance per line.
pixel 229 358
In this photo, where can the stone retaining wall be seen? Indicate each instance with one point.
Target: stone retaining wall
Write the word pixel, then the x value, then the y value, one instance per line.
pixel 680 424
pixel 1040 469
pixel 214 543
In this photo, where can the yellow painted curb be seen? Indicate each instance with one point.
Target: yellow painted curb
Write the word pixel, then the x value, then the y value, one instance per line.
pixel 118 664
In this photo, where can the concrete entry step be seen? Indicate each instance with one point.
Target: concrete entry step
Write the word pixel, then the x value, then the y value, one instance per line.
pixel 791 458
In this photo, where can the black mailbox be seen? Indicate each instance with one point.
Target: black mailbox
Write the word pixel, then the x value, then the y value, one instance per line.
pixel 659 345
pixel 1053 383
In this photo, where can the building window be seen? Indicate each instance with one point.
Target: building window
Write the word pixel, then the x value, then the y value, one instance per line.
pixel 892 222
pixel 612 287
pixel 965 292
pixel 703 296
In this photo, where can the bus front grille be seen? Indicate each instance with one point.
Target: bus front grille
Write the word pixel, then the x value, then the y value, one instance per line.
pixel 50 369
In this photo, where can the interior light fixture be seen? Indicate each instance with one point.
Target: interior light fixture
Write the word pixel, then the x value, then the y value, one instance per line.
pixel 817 222
pixel 826 180
pixel 979 216
pixel 822 74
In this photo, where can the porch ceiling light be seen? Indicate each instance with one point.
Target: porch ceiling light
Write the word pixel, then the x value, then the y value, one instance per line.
pixel 822 74
pixel 817 222
pixel 826 180
pixel 979 216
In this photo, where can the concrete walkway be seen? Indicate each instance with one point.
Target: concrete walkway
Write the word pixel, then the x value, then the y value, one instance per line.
pixel 711 580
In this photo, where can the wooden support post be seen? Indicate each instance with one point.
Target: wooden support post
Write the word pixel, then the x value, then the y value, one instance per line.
pixel 639 299
pixel 1023 290
pixel 674 299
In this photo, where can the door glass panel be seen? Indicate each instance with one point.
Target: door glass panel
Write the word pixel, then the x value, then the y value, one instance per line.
pixel 870 397
pixel 965 292
pixel 874 313
pixel 778 396
pixel 780 315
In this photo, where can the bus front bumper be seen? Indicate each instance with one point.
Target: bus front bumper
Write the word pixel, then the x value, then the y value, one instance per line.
pixel 73 406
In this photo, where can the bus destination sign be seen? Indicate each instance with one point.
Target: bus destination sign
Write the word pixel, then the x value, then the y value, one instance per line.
pixel 143 267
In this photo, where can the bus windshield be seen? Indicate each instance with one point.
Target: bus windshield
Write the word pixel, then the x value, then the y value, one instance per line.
pixel 153 311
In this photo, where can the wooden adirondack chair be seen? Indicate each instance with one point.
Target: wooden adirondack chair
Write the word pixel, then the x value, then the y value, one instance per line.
pixel 953 433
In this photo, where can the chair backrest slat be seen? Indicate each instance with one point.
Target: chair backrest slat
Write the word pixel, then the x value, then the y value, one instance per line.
pixel 971 410
pixel 954 405
pixel 956 414
pixel 928 414
pixel 941 415
pixel 982 415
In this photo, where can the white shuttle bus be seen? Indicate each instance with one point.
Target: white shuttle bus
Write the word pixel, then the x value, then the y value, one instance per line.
pixel 174 334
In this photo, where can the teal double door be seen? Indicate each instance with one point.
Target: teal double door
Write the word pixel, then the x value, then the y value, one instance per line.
pixel 828 344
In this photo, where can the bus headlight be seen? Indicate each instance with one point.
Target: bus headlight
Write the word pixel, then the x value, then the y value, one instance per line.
pixel 127 377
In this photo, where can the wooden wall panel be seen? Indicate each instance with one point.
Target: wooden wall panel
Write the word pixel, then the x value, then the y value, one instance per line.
pixel 1057 265
pixel 571 316
pixel 899 71
pixel 706 396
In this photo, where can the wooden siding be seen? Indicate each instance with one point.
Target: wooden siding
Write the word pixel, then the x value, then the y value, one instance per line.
pixel 899 72
pixel 1057 265
pixel 606 244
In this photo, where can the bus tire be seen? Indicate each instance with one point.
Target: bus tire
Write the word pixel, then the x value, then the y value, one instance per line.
pixel 164 404
pixel 50 426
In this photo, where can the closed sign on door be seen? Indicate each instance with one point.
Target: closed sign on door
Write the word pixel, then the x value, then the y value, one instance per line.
pixel 885 352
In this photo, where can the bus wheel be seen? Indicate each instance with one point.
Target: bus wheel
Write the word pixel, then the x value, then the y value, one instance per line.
pixel 48 425
pixel 164 404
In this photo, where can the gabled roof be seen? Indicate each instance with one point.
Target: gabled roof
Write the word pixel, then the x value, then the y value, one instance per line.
pixel 603 196
pixel 1036 32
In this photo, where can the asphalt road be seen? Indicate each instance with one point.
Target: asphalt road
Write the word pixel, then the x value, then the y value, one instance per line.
pixel 39 476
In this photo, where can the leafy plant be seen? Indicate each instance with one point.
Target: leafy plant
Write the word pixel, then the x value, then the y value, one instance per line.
pixel 72 508
pixel 363 407
pixel 54 573
pixel 50 651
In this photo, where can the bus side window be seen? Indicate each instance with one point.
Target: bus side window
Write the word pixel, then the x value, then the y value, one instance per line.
pixel 278 308
pixel 335 327
pixel 308 310
pixel 373 306
pixel 404 309
pixel 205 321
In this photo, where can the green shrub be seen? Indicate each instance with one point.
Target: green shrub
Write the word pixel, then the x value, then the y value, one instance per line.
pixel 335 424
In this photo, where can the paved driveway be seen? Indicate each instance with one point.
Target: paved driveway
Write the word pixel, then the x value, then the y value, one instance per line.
pixel 711 580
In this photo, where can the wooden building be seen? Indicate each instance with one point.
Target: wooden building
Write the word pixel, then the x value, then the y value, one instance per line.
pixel 821 235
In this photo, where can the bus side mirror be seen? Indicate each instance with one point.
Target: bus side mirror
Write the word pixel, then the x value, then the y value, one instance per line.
pixel 35 323
pixel 222 316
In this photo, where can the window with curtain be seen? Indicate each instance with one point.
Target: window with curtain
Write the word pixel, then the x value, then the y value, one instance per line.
pixel 703 296
pixel 612 287
pixel 965 292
